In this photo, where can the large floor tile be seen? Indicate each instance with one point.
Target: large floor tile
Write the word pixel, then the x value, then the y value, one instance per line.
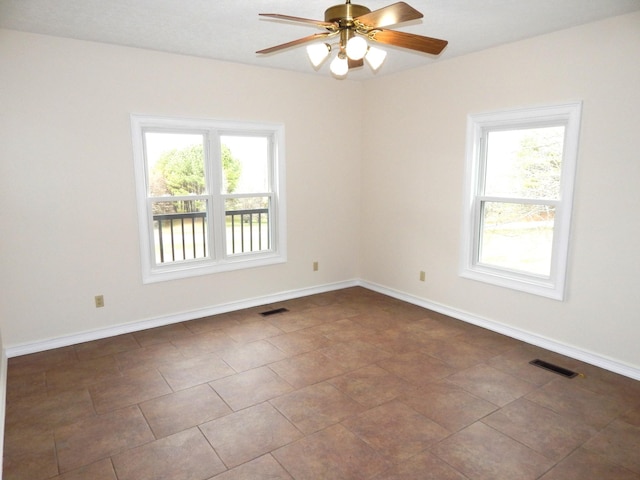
pixel 262 468
pixel 307 369
pixel 82 374
pixel 331 453
pixel 131 388
pixel 48 412
pixel 29 454
pixel 493 385
pixel 583 465
pixel 101 470
pixel 248 434
pixel 416 368
pixel 371 385
pixel 99 437
pixel 40 362
pixel 106 346
pixel 482 453
pixel 251 355
pixel 569 397
pixel 395 430
pixel 354 354
pixel 251 387
pixel 184 409
pixel 423 466
pixel 208 342
pixel 618 443
pixel 184 456
pixel 316 407
pixel 448 405
pixel 301 341
pixel 150 357
pixel 250 332
pixel 195 371
pixel 551 434
pixel 293 321
pixel 164 334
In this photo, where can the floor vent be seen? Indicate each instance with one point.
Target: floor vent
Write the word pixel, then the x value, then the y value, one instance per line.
pixel 273 312
pixel 553 368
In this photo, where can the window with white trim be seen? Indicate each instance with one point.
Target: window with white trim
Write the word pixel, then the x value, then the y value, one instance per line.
pixel 210 195
pixel 520 170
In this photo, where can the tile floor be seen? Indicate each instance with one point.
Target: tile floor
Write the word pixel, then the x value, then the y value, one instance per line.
pixel 345 385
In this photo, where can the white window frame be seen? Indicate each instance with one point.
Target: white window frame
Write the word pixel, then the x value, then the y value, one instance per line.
pixel 218 260
pixel 478 125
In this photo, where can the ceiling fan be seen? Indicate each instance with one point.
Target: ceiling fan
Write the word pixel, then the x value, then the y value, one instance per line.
pixel 352 25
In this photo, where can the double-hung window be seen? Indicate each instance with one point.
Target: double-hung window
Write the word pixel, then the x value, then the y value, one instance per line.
pixel 519 186
pixel 210 195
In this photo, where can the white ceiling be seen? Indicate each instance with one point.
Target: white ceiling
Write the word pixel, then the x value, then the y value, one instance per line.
pixel 231 29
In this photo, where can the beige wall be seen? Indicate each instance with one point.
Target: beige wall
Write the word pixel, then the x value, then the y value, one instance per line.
pixel 69 218
pixel 413 171
pixel 68 211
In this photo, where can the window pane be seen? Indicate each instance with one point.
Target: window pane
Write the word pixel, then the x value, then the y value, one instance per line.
pixel 245 164
pixel 524 163
pixel 175 163
pixel 517 237
pixel 247 222
pixel 180 230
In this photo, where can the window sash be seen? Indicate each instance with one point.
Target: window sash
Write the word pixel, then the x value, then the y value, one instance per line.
pixel 478 127
pixel 480 237
pixel 264 235
pixel 156 242
pixel 215 257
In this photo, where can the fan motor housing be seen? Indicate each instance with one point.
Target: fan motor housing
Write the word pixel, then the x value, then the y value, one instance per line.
pixel 344 13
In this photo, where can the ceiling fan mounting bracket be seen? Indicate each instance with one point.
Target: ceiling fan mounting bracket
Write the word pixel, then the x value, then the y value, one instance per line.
pixel 344 14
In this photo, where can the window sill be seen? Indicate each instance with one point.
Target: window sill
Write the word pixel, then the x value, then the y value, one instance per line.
pixel 528 284
pixel 198 268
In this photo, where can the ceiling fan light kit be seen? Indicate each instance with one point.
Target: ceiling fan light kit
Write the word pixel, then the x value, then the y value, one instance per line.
pixel 354 25
pixel 318 53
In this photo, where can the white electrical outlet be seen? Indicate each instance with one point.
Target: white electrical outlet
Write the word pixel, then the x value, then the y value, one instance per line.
pixel 422 276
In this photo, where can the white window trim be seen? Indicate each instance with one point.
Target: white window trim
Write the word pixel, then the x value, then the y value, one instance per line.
pixel 568 114
pixel 219 262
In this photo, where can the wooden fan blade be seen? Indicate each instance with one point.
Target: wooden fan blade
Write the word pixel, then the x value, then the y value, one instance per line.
pixel 317 23
pixel 310 38
pixel 355 63
pixel 409 40
pixel 389 15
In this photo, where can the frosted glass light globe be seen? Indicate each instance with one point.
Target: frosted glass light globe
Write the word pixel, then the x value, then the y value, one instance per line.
pixel 339 66
pixel 317 53
pixel 375 57
pixel 356 48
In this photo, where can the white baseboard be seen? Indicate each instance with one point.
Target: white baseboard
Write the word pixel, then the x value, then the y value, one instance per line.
pixel 528 337
pixel 25 349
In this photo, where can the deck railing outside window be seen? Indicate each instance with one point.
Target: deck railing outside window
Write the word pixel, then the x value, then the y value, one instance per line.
pixel 183 236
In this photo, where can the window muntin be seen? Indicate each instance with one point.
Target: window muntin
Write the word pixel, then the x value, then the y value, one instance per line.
pixel 210 193
pixel 520 169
